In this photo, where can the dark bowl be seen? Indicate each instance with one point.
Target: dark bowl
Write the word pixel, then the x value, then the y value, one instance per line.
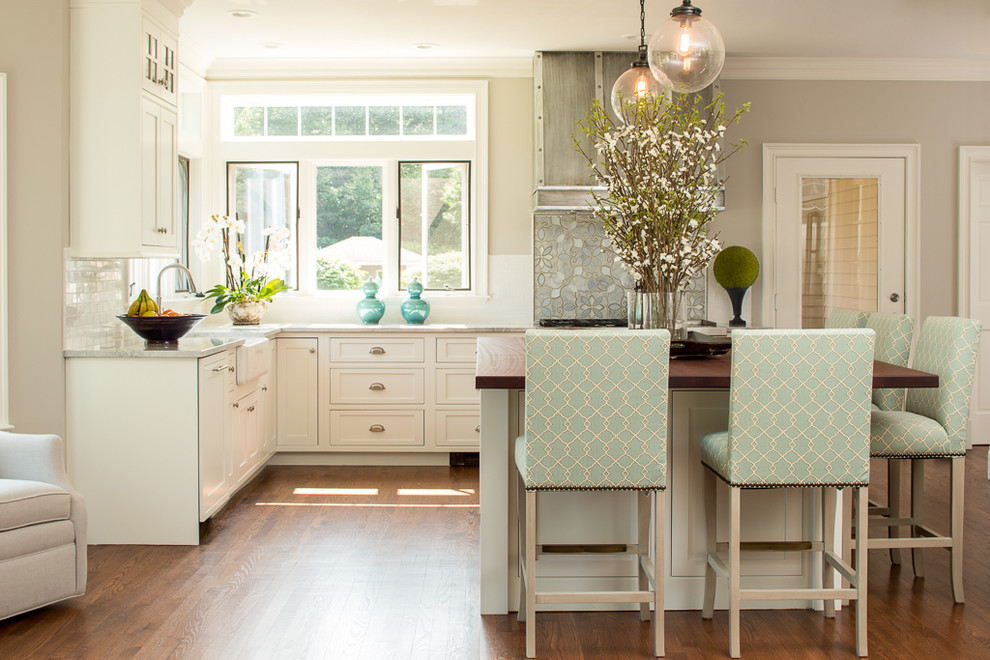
pixel 161 329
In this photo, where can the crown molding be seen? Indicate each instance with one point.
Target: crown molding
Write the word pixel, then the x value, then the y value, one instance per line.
pixel 849 68
pixel 289 68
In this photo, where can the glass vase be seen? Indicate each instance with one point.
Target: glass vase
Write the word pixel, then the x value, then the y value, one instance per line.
pixel 671 312
pixel 650 310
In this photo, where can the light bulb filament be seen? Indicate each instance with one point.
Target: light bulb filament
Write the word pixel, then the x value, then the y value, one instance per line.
pixel 684 46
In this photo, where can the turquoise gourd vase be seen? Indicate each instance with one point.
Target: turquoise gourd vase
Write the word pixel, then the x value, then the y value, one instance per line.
pixel 415 309
pixel 370 309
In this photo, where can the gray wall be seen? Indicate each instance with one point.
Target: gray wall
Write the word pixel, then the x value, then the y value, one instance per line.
pixel 940 116
pixel 34 55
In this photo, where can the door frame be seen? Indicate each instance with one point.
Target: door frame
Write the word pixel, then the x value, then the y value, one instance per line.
pixel 967 157
pixel 910 153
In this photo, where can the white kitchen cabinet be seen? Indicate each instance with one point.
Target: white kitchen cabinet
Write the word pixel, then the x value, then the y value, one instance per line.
pixel 297 394
pixel 160 61
pixel 122 137
pixel 267 402
pixel 215 432
pixel 247 436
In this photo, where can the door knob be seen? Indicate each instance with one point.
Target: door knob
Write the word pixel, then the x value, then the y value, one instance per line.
pixel 894 297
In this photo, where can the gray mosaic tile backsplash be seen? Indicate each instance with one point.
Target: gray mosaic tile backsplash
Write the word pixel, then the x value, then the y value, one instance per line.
pixel 576 275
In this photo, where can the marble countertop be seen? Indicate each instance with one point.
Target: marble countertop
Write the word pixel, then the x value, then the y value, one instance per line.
pixel 204 341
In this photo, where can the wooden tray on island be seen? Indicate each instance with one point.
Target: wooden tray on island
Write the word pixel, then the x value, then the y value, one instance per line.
pixel 698 344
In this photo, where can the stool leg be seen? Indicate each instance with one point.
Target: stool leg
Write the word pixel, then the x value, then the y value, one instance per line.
pixel 659 529
pixel 862 502
pixel 735 495
pixel 521 544
pixel 917 512
pixel 643 501
pixel 711 504
pixel 828 541
pixel 530 574
pixel 894 504
pixel 956 504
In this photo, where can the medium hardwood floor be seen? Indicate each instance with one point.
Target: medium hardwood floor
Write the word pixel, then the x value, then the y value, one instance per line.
pixel 289 574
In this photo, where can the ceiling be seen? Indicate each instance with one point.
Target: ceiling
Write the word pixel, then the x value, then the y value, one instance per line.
pixel 951 30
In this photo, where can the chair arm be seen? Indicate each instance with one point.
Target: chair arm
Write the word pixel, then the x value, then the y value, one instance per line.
pixel 34 458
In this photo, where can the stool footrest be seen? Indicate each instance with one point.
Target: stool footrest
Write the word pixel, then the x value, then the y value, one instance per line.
pixel 797 594
pixel 594 597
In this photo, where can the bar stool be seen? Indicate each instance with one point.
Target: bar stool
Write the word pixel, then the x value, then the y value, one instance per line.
pixel 895 333
pixel 932 426
pixel 845 318
pixel 799 414
pixel 596 419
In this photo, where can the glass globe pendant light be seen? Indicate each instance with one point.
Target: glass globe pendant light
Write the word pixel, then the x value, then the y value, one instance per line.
pixel 638 82
pixel 686 52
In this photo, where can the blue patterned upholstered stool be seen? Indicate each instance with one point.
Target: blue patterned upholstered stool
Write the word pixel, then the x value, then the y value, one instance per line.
pixel 596 419
pixel 895 333
pixel 799 416
pixel 932 426
pixel 845 318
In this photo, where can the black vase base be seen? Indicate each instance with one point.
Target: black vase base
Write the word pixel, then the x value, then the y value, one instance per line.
pixel 737 323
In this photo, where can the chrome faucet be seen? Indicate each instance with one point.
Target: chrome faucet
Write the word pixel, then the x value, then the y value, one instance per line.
pixel 192 284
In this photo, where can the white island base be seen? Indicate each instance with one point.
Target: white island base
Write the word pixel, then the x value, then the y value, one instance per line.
pixel 785 514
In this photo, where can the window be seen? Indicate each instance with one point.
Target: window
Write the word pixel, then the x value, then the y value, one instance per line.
pixel 264 195
pixel 390 185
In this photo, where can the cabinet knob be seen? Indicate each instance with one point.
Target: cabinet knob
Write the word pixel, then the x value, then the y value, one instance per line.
pixel 376 428
pixel 376 387
pixel 377 350
pixel 236 404
pixel 312 350
pixel 264 388
pixel 230 369
pixel 477 429
pixel 250 409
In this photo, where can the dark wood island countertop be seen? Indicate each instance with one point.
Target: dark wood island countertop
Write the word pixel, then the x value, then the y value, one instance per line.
pixel 502 365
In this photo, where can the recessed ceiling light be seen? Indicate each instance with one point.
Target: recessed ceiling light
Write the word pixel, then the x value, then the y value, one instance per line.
pixel 270 45
pixel 242 13
pixel 425 45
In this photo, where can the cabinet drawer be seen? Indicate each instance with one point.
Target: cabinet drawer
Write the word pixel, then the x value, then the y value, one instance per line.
pixel 368 351
pixel 366 386
pixel 363 428
pixel 461 428
pixel 457 349
pixel 456 386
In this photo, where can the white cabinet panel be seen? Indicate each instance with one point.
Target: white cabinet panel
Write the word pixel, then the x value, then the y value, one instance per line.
pixel 297 392
pixel 247 436
pixel 378 386
pixel 376 429
pixel 214 433
pixel 373 350
pixel 456 386
pixel 458 428
pixel 457 349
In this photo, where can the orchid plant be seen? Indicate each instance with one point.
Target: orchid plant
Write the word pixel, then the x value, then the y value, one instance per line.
pixel 659 170
pixel 249 278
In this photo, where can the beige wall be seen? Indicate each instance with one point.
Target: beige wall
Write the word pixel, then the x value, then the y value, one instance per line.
pixel 34 55
pixel 510 161
pixel 940 116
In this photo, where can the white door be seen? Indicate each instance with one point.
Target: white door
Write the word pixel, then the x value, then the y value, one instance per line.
pixel 836 229
pixel 974 274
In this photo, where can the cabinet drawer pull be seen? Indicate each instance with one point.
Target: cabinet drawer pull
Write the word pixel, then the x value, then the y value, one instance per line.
pixel 376 428
pixel 377 350
pixel 222 367
pixel 237 405
pixel 376 387
pixel 477 429
pixel 250 409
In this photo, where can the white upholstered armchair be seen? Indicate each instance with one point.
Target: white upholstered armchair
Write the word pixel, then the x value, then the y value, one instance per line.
pixel 42 525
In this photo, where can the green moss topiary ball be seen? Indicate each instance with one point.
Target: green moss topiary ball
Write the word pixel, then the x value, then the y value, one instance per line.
pixel 736 267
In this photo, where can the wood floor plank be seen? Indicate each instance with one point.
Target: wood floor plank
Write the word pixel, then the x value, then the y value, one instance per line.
pixel 285 575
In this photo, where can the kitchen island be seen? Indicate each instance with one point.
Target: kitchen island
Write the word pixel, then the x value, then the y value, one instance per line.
pixel 698 405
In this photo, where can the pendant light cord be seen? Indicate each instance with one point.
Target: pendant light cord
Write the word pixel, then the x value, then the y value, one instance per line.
pixel 642 23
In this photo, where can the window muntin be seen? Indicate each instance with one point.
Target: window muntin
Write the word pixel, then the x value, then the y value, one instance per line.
pixel 434 224
pixel 265 195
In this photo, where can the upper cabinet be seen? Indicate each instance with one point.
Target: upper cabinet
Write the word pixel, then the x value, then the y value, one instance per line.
pixel 123 130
